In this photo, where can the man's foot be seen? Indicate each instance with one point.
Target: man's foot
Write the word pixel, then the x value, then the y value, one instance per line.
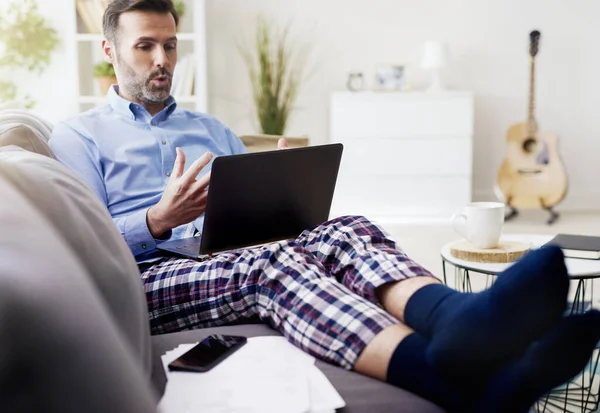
pixel 474 334
pixel 556 358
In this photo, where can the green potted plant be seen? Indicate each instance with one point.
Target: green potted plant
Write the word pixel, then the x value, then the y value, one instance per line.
pixel 26 43
pixel 179 7
pixel 105 73
pixel 275 77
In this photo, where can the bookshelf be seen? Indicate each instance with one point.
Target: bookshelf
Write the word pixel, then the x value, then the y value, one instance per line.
pixel 84 44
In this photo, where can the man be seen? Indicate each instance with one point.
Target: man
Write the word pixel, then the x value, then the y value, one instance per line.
pixel 342 291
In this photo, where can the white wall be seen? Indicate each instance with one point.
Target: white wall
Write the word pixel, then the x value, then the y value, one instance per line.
pixel 489 55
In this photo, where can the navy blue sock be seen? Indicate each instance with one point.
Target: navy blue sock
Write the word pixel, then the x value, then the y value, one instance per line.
pixel 556 358
pixel 410 370
pixel 476 333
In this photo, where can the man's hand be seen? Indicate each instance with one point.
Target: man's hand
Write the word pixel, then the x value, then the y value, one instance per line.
pixel 282 144
pixel 184 198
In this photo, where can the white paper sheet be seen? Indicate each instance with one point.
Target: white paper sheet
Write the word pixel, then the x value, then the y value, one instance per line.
pixel 324 398
pixel 267 375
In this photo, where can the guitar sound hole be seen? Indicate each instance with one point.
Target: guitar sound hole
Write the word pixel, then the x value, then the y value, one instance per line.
pixel 529 145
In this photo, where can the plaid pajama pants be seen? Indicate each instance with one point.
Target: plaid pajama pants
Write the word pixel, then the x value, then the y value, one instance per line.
pixel 318 290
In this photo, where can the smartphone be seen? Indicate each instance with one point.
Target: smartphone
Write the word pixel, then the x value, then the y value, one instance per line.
pixel 208 353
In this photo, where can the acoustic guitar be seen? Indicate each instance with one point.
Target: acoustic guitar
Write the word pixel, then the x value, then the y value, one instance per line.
pixel 532 174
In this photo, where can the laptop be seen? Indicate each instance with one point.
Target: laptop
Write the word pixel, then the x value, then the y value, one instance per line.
pixel 261 197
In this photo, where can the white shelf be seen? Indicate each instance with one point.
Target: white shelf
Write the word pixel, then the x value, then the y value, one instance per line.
pixel 97 37
pixel 89 37
pixel 84 52
pixel 102 99
pixel 187 36
pixel 92 99
pixel 185 99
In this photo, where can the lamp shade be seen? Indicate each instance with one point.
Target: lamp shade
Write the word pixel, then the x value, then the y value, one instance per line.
pixel 435 55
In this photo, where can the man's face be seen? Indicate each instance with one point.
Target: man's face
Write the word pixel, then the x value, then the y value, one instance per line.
pixel 145 55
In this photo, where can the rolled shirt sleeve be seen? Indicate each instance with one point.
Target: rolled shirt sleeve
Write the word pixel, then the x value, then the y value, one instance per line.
pixel 134 228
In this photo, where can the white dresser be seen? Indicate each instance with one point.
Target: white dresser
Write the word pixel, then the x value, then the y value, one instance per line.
pixel 407 155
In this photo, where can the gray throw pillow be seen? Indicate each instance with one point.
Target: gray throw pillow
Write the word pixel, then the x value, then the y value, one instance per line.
pixel 86 226
pixel 60 350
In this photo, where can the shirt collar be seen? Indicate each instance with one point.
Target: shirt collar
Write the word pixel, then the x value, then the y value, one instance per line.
pixel 133 110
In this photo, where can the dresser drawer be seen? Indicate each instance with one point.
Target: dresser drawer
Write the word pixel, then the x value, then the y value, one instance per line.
pixel 414 156
pixel 401 196
pixel 391 115
pixel 407 155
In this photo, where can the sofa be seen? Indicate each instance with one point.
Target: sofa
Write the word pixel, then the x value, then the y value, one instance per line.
pixel 71 287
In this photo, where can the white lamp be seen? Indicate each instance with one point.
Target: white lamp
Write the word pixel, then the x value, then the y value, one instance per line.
pixel 435 58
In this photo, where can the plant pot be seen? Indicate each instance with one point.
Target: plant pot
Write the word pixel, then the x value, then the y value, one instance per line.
pixel 104 82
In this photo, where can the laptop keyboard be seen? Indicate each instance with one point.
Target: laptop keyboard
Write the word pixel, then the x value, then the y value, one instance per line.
pixel 187 248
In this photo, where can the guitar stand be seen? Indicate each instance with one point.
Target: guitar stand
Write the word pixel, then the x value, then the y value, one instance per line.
pixel 513 212
pixel 553 214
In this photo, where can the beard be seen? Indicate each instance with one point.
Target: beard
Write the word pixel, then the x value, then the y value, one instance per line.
pixel 141 88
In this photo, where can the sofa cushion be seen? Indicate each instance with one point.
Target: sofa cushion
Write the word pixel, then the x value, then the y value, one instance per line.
pixel 60 350
pixel 24 136
pixel 85 225
pixel 27 117
pixel 361 393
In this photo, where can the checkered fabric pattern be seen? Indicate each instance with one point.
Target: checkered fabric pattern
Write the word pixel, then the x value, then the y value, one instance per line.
pixel 318 290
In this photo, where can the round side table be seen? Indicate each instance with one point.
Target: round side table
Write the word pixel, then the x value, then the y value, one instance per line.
pixel 581 394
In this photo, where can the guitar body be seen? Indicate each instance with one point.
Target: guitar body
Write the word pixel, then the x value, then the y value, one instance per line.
pixel 533 178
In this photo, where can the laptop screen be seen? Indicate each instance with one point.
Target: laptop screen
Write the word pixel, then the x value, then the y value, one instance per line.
pixel 268 196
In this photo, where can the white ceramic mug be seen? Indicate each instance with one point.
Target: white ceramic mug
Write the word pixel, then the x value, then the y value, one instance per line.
pixel 481 223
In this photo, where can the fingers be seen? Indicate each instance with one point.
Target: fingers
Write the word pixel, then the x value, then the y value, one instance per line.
pixel 179 164
pixel 202 183
pixel 282 144
pixel 201 198
pixel 200 202
pixel 190 175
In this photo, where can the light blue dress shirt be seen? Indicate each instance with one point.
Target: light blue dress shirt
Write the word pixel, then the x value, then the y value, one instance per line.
pixel 126 157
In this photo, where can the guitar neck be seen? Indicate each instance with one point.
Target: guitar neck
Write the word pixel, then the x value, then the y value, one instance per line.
pixel 531 122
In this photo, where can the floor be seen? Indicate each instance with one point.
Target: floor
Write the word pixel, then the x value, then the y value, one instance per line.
pixel 423 242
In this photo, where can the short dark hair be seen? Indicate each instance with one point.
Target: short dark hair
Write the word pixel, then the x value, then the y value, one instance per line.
pixel 110 20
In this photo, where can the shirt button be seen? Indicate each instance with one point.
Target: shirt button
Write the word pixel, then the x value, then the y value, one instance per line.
pixel 164 142
pixel 168 173
pixel 143 246
pixel 153 123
